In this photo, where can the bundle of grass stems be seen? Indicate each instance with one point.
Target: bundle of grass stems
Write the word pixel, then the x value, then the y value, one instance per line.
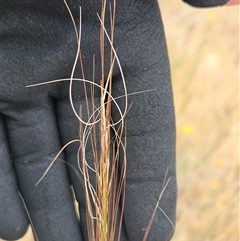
pixel 104 197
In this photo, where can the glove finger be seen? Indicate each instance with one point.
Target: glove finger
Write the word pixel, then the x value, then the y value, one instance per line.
pixel 150 163
pixel 13 221
pixel 34 141
pixel 150 147
pixel 150 136
pixel 69 128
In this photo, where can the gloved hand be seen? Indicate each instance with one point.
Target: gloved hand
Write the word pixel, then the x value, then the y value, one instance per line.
pixel 38 44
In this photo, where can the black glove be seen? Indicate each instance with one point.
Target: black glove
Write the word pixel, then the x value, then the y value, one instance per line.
pixel 38 44
pixel 204 4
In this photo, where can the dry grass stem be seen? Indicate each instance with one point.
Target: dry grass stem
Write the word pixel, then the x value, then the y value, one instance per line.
pixel 29 217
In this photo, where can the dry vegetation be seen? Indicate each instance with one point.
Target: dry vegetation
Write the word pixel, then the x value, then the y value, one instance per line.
pixel 204 53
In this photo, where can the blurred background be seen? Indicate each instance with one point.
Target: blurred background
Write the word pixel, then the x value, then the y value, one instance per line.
pixel 204 54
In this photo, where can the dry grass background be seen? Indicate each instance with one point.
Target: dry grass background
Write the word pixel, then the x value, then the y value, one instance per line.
pixel 204 54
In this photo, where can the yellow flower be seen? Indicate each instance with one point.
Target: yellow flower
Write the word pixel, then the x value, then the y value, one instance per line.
pixel 188 129
pixel 210 16
pixel 216 184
